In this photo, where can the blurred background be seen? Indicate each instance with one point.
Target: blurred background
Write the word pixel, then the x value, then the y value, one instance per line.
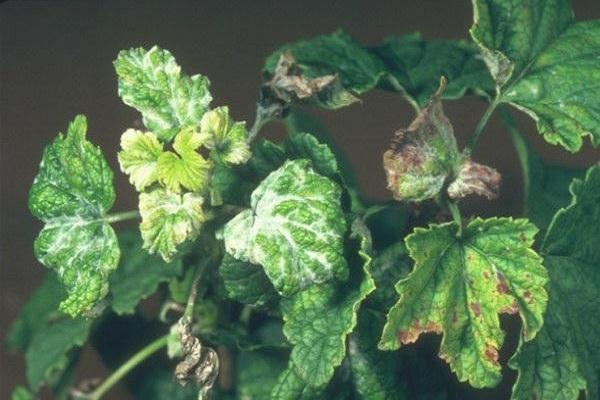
pixel 56 61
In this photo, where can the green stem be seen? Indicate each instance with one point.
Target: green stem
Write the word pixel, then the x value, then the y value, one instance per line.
pixel 189 308
pixel 455 211
pixel 479 128
pixel 122 216
pixel 130 364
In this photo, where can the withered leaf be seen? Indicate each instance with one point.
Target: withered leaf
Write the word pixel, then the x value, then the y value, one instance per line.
pixel 474 178
pixel 288 85
pixel 424 157
pixel 199 364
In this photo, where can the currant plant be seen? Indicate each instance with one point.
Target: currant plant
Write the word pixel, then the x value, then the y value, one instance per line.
pixel 276 279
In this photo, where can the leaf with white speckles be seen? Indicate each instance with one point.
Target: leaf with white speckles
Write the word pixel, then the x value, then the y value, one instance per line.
pixel 319 319
pixel 71 194
pixel 294 230
pixel 168 220
pixel 152 82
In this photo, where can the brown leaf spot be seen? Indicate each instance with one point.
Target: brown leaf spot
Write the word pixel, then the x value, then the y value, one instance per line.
pixel 491 353
pixel 528 297
pixel 405 337
pixel 476 308
pixel 433 327
pixel 486 275
pixel 510 309
pixel 502 285
pixel 412 334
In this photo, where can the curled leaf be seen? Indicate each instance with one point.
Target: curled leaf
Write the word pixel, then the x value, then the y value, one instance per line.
pixel 200 364
pixel 139 157
pixel 168 220
pixel 289 85
pixel 185 168
pixel 474 178
pixel 226 138
pixel 422 156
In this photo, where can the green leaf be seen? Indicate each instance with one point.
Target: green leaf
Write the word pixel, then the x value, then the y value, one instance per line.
pixel 52 350
pixel 545 187
pixel 389 266
pixel 186 168
pixel 22 393
pixel 305 145
pixel 139 157
pixel 266 158
pixel 333 54
pixel 229 186
pixel 543 64
pixel 71 194
pixel 294 229
pixel 138 275
pixel 290 386
pixel 375 374
pixel 246 282
pixel 168 220
pixel 151 82
pixel 388 223
pixel 460 285
pixel 415 66
pixel 227 139
pixel 511 34
pixel 564 358
pixel 42 304
pixel 318 319
pixel 298 122
pixel 256 374
pixel 558 90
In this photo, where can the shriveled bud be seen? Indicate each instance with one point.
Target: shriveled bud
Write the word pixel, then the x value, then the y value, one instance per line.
pixel 423 155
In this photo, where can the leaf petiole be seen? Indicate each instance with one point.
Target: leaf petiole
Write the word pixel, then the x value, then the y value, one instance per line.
pixel 455 211
pixel 122 216
pixel 480 126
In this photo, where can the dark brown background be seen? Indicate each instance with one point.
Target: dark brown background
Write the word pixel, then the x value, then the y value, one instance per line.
pixel 56 62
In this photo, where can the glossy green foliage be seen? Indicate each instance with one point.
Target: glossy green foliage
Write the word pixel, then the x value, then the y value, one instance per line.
pixel 543 63
pixel 564 357
pixel 415 66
